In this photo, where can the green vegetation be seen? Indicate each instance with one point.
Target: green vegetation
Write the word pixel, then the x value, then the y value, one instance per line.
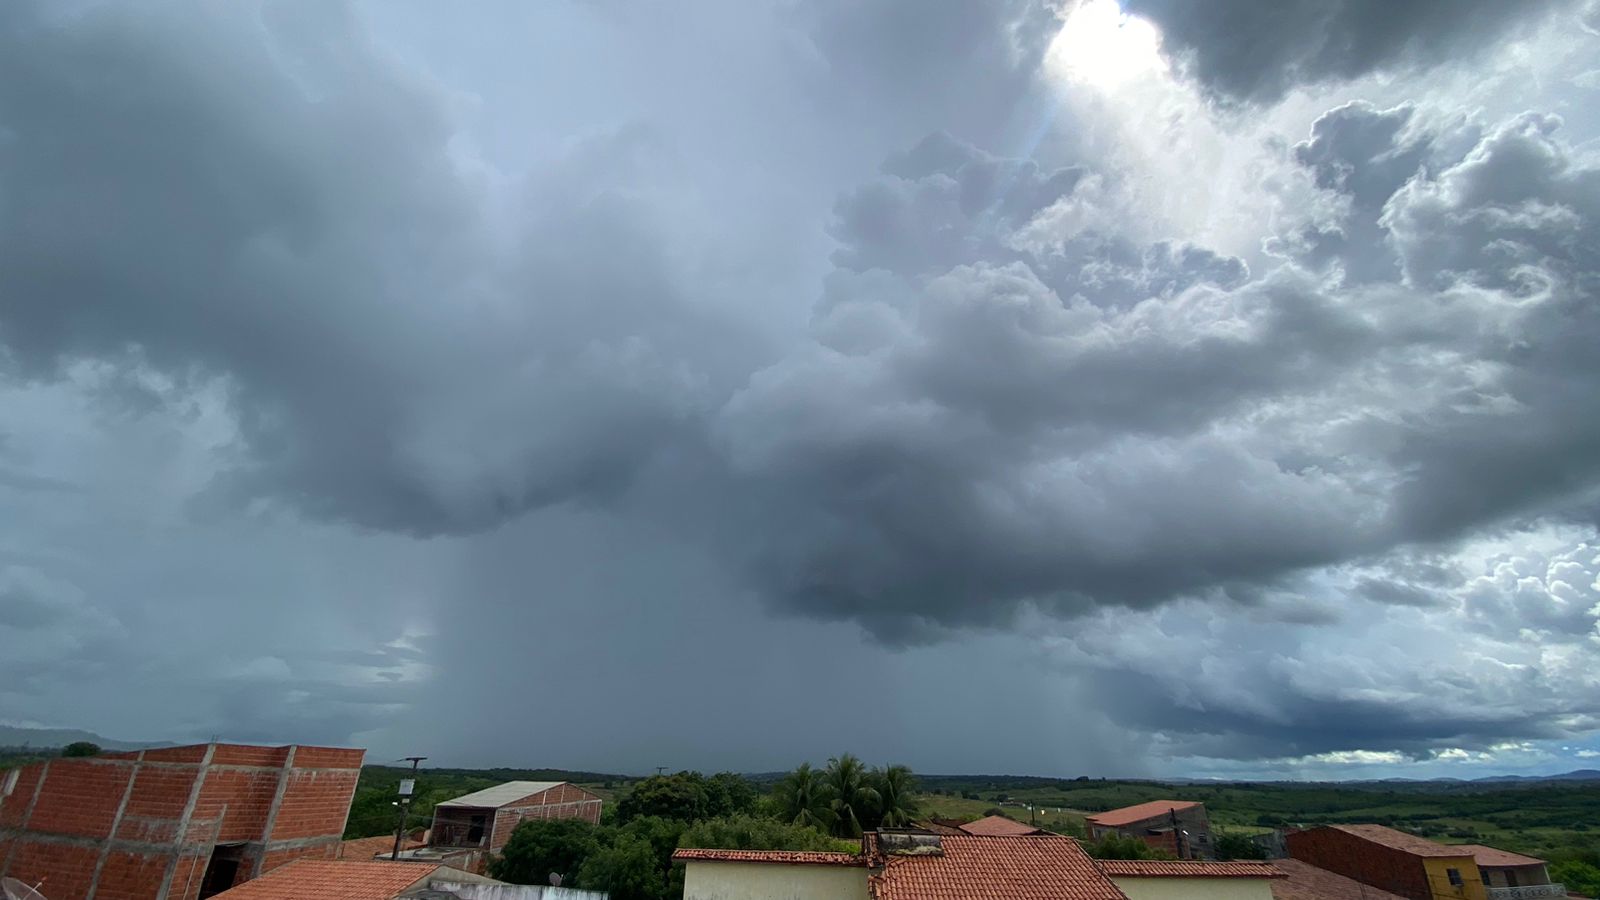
pixel 631 855
pixel 80 749
pixel 1116 847
pixel 372 811
pixel 1542 818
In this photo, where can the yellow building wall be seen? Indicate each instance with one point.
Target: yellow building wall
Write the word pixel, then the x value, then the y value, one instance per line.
pixel 772 881
pixel 1471 887
pixel 1197 888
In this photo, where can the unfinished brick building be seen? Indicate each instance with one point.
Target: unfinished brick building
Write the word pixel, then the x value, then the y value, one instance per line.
pixel 182 822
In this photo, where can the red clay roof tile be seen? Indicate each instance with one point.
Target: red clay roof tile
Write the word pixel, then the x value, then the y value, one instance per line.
pixel 1493 856
pixel 326 879
pixel 1043 867
pixel 1399 840
pixel 1184 868
pixel 998 826
pixel 1128 815
pixel 790 857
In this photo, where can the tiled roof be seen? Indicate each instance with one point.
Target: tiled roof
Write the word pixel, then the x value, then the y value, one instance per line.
pixel 1494 856
pixel 1303 881
pixel 501 794
pixel 326 879
pixel 366 848
pixel 788 857
pixel 998 826
pixel 1183 868
pixel 1399 840
pixel 1044 867
pixel 1128 815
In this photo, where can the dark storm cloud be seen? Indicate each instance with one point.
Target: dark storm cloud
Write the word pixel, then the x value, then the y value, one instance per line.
pixel 286 214
pixel 1258 51
pixel 1004 403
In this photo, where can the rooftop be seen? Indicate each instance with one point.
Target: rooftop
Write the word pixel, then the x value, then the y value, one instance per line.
pixel 1494 856
pixel 1399 840
pixel 1303 881
pixel 501 794
pixel 1184 868
pixel 1131 814
pixel 1043 867
pixel 325 879
pixel 786 857
pixel 998 826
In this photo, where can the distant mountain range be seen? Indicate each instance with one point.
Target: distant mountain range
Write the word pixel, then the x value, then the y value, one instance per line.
pixel 16 736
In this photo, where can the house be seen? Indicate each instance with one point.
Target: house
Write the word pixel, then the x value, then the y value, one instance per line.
pixel 1187 879
pixel 1391 860
pixel 177 822
pixel 1179 827
pixel 1512 876
pixel 772 875
pixel 317 879
pixel 485 819
pixel 998 826
pixel 1303 881
pixel 923 865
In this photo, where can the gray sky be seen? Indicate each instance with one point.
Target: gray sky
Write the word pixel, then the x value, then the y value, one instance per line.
pixel 990 387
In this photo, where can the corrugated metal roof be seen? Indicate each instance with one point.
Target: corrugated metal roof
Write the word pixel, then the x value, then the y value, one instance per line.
pixel 501 794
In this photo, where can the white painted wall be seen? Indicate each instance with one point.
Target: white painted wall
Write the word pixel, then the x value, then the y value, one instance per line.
pixel 772 881
pixel 1196 888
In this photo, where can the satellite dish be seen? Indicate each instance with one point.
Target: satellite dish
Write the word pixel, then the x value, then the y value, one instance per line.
pixel 16 890
pixel 555 879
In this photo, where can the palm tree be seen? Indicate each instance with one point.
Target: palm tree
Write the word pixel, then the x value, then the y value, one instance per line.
pixel 852 797
pixel 897 802
pixel 803 798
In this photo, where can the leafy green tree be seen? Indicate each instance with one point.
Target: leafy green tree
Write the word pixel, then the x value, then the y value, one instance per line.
pixel 1114 846
pixel 627 869
pixel 803 798
pixel 851 795
pixel 661 834
pixel 81 748
pixel 1580 877
pixel 752 833
pixel 681 796
pixel 540 846
pixel 728 794
pixel 897 800
pixel 1233 845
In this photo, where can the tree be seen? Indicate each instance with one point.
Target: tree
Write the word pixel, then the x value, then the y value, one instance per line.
pixel 1114 846
pixel 81 748
pixel 751 833
pixel 1579 877
pixel 803 798
pixel 728 794
pixel 897 801
pixel 627 869
pixel 851 796
pixel 540 846
pixel 681 796
pixel 1233 845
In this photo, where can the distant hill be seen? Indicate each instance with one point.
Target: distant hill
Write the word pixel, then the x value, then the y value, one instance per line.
pixel 1576 775
pixel 49 738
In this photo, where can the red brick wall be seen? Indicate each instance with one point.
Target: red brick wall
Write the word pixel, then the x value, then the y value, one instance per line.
pixel 564 801
pixel 1367 862
pixel 79 799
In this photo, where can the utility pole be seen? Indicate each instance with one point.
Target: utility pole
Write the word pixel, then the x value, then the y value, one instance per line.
pixel 408 786
pixel 659 770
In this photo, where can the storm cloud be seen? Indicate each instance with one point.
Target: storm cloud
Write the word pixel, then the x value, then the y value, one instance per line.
pixel 370 364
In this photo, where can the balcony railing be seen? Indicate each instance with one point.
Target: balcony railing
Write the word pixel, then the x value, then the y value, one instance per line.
pixel 1528 892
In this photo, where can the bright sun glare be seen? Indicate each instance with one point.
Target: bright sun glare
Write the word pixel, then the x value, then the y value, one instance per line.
pixel 1100 46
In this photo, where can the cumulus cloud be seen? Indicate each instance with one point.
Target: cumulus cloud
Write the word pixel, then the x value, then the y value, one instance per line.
pixel 300 346
pixel 1243 50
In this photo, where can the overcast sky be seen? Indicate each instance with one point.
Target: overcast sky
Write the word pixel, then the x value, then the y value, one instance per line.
pixel 1004 386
